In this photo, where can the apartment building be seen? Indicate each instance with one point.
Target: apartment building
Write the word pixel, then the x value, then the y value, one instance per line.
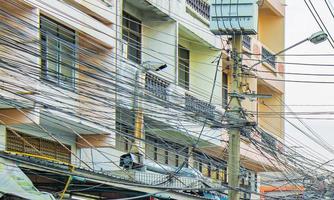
pixel 190 50
pixel 58 97
pixel 74 81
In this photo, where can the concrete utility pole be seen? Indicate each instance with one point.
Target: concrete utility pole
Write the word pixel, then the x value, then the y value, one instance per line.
pixel 234 113
pixel 234 110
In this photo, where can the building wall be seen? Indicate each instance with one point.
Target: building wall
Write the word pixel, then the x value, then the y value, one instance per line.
pixel 202 72
pixel 271 110
pixel 101 38
pixel 201 56
pixel 272 36
pixel 271 30
pixel 157 46
pixel 104 158
pixel 76 19
pixel 99 111
pixel 12 81
pixel 160 45
pixel 181 12
pixel 159 40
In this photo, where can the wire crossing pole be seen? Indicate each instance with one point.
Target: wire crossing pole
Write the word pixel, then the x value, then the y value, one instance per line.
pixel 234 113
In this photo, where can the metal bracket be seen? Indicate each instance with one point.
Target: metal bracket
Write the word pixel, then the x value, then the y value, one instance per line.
pixel 237 95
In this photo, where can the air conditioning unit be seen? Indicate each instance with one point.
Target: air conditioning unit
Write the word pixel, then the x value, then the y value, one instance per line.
pixel 131 161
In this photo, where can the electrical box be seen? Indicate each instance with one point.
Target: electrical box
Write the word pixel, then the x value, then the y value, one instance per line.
pixel 228 17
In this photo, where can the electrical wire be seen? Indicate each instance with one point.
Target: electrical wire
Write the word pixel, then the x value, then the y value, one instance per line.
pixel 16 72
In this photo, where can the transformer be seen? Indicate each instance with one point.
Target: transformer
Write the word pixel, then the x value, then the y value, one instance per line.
pixel 234 17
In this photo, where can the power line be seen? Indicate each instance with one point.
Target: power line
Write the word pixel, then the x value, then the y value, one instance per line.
pixel 109 90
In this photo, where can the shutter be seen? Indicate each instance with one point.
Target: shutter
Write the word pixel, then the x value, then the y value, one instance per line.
pixel 47 148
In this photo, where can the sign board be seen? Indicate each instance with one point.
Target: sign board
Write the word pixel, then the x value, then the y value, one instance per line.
pixel 228 17
pixel 13 181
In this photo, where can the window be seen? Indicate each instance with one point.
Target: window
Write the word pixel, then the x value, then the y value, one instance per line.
pixel 166 157
pixel 200 167
pixel 186 159
pixel 218 174
pixel 225 175
pixel 268 57
pixel 183 71
pixel 155 151
pixel 225 90
pixel 132 35
pixel 58 52
pixel 176 160
pixel 123 136
pixel 24 143
pixel 124 129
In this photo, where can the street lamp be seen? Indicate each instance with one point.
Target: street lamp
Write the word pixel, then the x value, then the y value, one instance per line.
pixel 318 37
pixel 134 159
pixel 315 38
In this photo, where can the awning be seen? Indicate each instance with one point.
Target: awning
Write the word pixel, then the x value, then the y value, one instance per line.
pixel 14 182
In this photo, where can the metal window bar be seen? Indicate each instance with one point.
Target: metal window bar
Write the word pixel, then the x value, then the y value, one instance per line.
pixel 132 34
pixel 246 41
pixel 201 7
pixel 47 147
pixel 63 39
pixel 269 57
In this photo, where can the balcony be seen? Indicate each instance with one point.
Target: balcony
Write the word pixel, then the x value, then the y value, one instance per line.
pixel 200 7
pixel 156 85
pixel 199 107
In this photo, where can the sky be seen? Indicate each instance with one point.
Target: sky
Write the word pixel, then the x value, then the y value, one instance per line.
pixel 300 25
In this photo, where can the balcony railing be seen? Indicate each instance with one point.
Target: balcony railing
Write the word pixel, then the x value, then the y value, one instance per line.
pixel 201 7
pixel 268 57
pixel 157 86
pixel 246 41
pixel 199 107
pixel 165 180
